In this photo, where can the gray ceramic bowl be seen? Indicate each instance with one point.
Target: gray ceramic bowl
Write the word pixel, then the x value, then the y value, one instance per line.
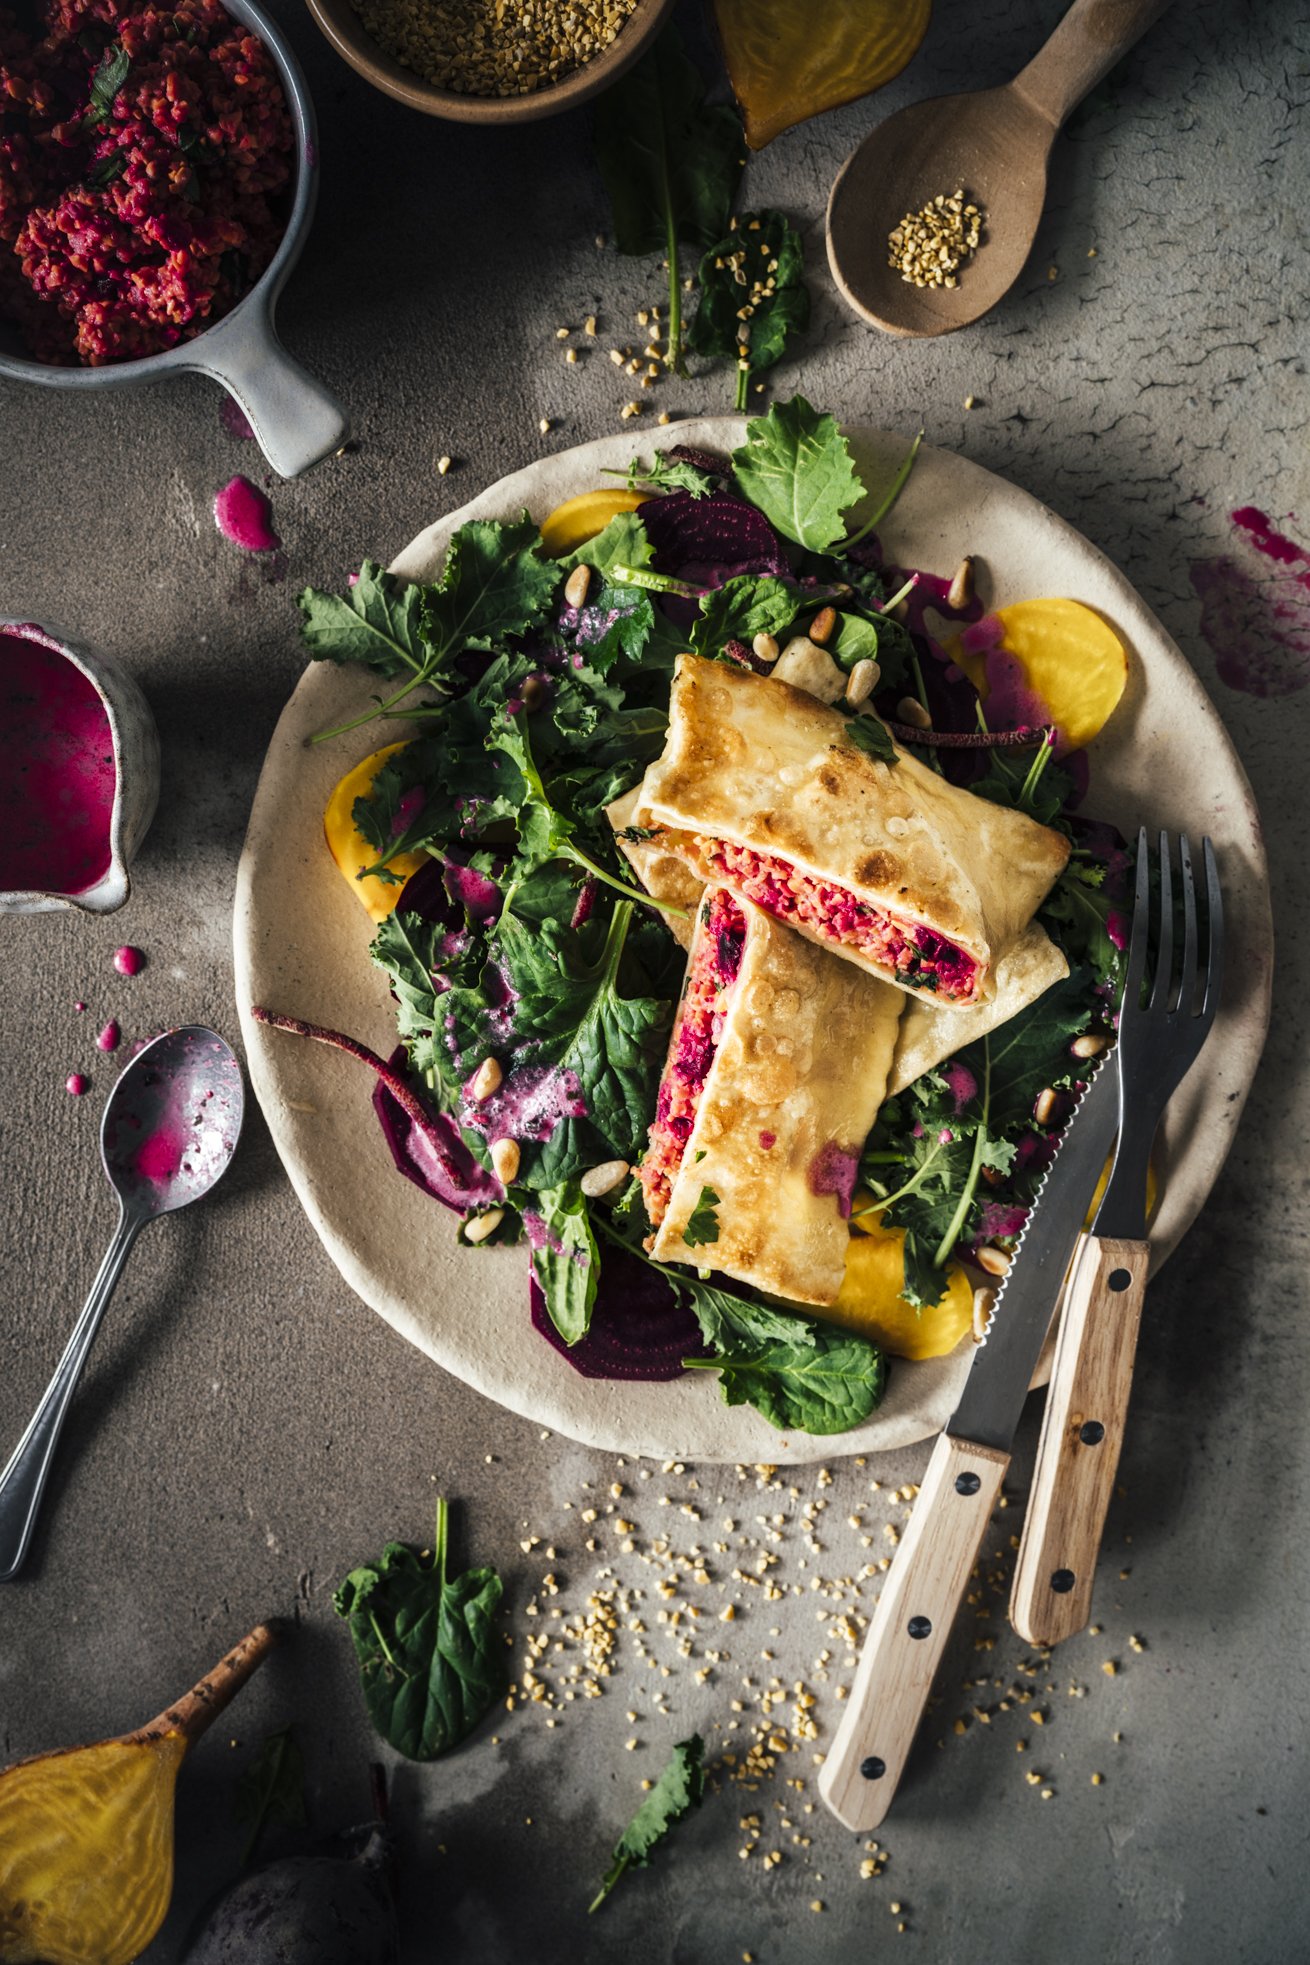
pixel 295 420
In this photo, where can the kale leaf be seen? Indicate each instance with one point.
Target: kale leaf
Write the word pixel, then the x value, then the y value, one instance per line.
pixel 753 296
pixel 378 621
pixel 666 473
pixel 677 1791
pixel 795 466
pixel 431 1660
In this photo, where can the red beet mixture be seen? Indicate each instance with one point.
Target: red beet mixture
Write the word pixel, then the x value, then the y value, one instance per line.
pixel 695 1040
pixel 916 955
pixel 127 228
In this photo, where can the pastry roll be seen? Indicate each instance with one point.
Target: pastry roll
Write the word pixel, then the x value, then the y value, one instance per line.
pixel 923 885
pixel 777 1063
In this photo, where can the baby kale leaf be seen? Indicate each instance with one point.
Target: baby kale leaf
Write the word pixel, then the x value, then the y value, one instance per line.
pixel 796 467
pixel 677 1791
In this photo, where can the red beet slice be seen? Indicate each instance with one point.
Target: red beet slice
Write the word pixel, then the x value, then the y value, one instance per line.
pixel 640 1331
pixel 451 1176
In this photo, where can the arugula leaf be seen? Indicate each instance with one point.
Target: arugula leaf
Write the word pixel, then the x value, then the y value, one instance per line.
pixel 666 473
pixel 670 163
pixel 677 1791
pixel 271 1790
pixel 753 296
pixel 565 1259
pixel 747 605
pixel 868 734
pixel 796 467
pixel 703 1222
pixel 431 1660
pixel 113 70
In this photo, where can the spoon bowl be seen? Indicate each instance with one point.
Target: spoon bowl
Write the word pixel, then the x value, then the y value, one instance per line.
pixel 172 1121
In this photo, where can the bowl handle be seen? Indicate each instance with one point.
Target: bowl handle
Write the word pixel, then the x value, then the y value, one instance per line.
pixel 296 421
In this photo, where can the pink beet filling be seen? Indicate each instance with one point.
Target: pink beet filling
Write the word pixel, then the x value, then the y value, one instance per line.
pixel 908 950
pixel 57 771
pixel 696 1036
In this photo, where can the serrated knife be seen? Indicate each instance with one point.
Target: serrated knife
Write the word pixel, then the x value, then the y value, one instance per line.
pixel 934 1562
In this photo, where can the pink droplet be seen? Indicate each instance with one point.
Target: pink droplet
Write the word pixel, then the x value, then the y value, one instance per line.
pixel 75 1084
pixel 129 961
pixel 109 1036
pixel 79 1006
pixel 244 515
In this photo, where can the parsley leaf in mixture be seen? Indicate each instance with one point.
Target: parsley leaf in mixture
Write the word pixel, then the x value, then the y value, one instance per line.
pixel 703 1222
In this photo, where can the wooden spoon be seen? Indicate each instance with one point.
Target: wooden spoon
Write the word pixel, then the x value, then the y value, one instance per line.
pixel 995 144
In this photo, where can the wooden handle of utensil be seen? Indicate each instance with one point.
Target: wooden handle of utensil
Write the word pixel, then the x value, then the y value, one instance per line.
pixel 1084 47
pixel 1082 1433
pixel 925 1584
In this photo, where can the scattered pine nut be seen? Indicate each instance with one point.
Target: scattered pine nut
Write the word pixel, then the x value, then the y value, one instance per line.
pixel 575 587
pixel 1044 1110
pixel 589 326
pixel 487 1079
pixel 960 591
pixel 543 424
pixel 968 402
pixel 861 682
pixel 910 710
pixel 995 1261
pixel 482 1225
pixel 562 334
pixel 822 625
pixel 505 1157
pixel 765 648
pixel 443 465
pixel 1089 1046
pixel 604 1178
pixel 570 354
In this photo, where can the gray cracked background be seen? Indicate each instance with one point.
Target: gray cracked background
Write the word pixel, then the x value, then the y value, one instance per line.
pixel 247 1430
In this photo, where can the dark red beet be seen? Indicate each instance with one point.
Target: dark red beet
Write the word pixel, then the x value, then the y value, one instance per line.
pixel 458 1181
pixel 706 541
pixel 639 1329
pixel 444 891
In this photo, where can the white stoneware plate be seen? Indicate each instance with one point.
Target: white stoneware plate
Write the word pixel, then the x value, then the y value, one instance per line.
pixel 301 942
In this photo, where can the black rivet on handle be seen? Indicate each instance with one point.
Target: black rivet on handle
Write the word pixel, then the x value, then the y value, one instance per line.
pixel 1062 1581
pixel 919 1627
pixel 873 1769
pixel 1091 1433
pixel 1119 1279
pixel 967 1483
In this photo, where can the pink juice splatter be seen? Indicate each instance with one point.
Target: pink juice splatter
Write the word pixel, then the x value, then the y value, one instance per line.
pixel 234 419
pixel 129 961
pixel 58 778
pixel 244 515
pixel 1255 607
pixel 108 1039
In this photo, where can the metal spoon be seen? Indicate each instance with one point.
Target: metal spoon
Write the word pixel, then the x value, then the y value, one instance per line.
pixel 995 145
pixel 169 1129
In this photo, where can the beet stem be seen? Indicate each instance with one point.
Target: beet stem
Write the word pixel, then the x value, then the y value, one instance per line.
pixel 968 740
pixel 198 1708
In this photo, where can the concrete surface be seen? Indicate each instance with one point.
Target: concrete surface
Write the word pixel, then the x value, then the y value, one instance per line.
pixel 247 1431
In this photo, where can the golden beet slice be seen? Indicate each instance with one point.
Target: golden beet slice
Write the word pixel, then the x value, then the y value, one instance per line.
pixel 789 59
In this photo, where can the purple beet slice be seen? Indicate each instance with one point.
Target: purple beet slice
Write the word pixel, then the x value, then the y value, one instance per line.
pixel 706 541
pixel 449 1173
pixel 640 1331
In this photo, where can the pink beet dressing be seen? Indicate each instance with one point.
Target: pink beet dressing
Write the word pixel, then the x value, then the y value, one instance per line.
pixel 129 961
pixel 57 772
pixel 75 1084
pixel 244 515
pixel 108 1039
pixel 160 1154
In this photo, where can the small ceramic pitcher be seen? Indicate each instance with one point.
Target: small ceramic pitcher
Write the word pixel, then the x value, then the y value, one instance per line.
pixel 136 774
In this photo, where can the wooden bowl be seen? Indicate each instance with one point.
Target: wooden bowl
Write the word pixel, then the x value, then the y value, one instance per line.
pixel 346 31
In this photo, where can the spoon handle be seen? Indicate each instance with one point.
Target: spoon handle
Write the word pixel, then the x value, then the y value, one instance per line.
pixel 1084 47
pixel 23 1480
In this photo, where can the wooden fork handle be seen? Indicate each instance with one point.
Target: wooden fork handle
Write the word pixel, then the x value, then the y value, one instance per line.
pixel 924 1588
pixel 1082 1433
pixel 1084 47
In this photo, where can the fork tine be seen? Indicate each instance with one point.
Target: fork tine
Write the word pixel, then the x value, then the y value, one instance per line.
pixel 1141 925
pixel 1214 974
pixel 1187 982
pixel 1164 954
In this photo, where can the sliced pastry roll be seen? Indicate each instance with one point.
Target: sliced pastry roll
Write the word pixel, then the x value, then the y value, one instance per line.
pixel 777 1064
pixel 761 789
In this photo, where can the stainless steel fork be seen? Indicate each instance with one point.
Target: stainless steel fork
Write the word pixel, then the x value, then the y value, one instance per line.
pixel 1087 1404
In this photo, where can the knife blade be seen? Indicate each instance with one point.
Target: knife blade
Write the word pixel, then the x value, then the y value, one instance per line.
pixel 931 1568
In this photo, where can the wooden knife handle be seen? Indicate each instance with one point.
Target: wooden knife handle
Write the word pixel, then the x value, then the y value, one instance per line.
pixel 1082 1433
pixel 923 1590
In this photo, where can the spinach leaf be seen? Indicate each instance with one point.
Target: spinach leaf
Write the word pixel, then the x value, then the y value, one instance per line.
pixel 670 163
pixel 113 70
pixel 678 1790
pixel 271 1791
pixel 820 1388
pixel 431 1660
pixel 747 605
pixel 880 639
pixel 796 467
pixel 565 1260
pixel 703 1222
pixel 873 737
pixel 753 296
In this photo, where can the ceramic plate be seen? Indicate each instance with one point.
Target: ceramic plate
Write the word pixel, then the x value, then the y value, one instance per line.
pixel 301 942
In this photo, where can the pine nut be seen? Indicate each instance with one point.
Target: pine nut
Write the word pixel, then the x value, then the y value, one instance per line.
pixel 575 587
pixel 823 624
pixel 765 648
pixel 487 1079
pixel 960 591
pixel 910 710
pixel 505 1157
pixel 995 1261
pixel 534 693
pixel 1089 1046
pixel 1044 1110
pixel 604 1178
pixel 983 1299
pixel 862 682
pixel 482 1225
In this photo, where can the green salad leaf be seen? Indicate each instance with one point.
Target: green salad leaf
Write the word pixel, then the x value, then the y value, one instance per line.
pixel 796 467
pixel 747 605
pixel 677 1791
pixel 670 162
pixel 666 473
pixel 431 1660
pixel 753 296
pixel 271 1790
pixel 873 737
pixel 565 1261
pixel 378 622
pixel 703 1222
pixel 623 542
pixel 112 71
